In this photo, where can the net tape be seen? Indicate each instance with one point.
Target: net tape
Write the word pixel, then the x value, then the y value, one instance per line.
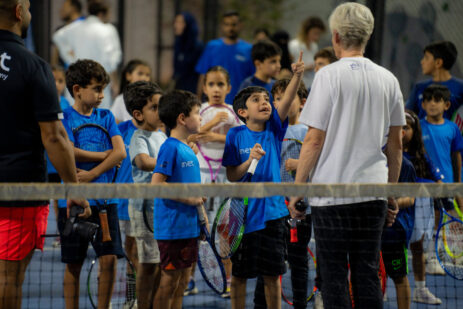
pixel 43 191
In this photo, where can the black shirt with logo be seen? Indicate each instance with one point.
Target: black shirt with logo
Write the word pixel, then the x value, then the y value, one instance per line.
pixel 28 96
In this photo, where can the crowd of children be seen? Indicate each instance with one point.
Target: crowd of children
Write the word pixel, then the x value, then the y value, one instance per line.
pixel 174 137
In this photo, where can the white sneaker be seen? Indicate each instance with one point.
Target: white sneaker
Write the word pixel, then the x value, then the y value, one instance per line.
pixel 318 301
pixel 433 267
pixel 424 296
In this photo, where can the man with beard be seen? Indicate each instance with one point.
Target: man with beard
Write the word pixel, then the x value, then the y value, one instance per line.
pixel 30 120
pixel 230 52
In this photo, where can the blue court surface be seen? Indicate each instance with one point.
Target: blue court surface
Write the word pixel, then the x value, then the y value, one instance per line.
pixel 43 286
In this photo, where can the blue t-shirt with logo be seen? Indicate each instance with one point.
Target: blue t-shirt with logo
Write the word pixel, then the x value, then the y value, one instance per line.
pixel 235 58
pixel 440 140
pixel 124 174
pixel 103 117
pixel 455 87
pixel 172 219
pixel 238 145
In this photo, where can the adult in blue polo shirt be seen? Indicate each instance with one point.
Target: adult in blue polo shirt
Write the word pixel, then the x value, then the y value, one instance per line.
pixel 230 52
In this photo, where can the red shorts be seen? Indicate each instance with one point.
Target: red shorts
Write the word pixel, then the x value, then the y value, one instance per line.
pixel 20 231
pixel 178 253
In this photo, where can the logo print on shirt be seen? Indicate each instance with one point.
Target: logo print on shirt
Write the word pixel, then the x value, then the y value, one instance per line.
pixel 240 58
pixel 187 164
pixel 354 66
pixel 4 57
pixel 245 150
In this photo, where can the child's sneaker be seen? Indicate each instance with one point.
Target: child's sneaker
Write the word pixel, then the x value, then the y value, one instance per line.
pixel 318 301
pixel 424 296
pixel 56 242
pixel 433 267
pixel 227 293
pixel 191 288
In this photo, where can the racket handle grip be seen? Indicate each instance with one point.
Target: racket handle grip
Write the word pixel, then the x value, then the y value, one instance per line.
pixel 104 225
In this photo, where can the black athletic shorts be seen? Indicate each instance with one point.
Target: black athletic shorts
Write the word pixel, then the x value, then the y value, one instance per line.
pixel 261 252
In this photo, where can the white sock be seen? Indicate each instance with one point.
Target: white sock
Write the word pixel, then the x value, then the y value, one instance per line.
pixel 420 284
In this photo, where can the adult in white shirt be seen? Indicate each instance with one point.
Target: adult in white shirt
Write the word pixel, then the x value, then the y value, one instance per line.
pixel 93 39
pixel 355 115
pixel 306 41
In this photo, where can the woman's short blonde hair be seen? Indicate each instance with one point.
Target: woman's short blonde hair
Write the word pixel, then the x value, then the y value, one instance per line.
pixel 353 22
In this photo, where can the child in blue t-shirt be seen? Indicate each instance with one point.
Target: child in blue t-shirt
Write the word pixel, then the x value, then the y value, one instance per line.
pixel 176 226
pixel 442 138
pixel 86 80
pixel 142 101
pixel 262 251
pixel 266 57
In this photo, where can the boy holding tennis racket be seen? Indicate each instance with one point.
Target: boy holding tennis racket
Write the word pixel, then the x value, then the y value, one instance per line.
pixel 290 149
pixel 176 226
pixel 262 249
pixel 142 101
pixel 98 150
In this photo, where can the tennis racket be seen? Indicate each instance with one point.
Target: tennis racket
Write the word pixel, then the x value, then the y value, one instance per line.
pixel 449 244
pixel 95 138
pixel 210 264
pixel 148 215
pixel 212 152
pixel 286 283
pixel 230 221
pixel 123 294
pixel 291 148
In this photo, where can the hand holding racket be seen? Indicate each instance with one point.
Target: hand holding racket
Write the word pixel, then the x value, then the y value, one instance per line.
pixel 210 264
pixel 95 138
pixel 230 221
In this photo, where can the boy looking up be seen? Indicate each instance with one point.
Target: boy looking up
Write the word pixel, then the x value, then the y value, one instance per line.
pixel 176 226
pixel 266 57
pixel 142 101
pixel 86 80
pixel 262 250
pixel 438 59
pixel 441 137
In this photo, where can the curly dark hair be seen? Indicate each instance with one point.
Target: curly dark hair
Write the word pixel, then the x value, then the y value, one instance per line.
pixel 136 95
pixel 174 103
pixel 83 71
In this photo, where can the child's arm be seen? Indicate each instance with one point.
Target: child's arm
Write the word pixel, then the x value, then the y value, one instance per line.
pixel 114 158
pixel 159 178
pixel 144 162
pixel 456 164
pixel 235 173
pixel 90 156
pixel 291 90
pixel 405 202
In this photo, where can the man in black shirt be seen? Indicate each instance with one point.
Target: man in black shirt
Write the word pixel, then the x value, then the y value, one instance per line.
pixel 30 120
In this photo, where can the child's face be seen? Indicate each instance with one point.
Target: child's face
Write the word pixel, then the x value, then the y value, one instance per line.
pixel 216 87
pixel 428 63
pixel 140 73
pixel 258 108
pixel 91 95
pixel 60 81
pixel 435 108
pixel 407 134
pixel 150 113
pixel 270 67
pixel 193 121
pixel 320 62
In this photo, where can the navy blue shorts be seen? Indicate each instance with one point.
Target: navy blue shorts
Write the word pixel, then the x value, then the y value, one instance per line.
pixel 74 248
